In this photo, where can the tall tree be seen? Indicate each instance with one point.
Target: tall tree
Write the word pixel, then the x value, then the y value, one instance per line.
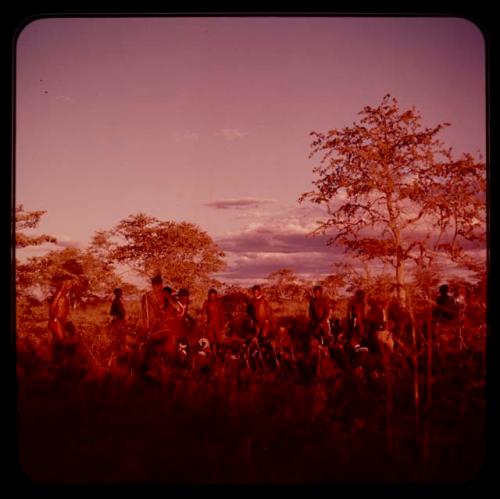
pixel 393 192
pixel 92 275
pixel 26 221
pixel 29 220
pixel 181 252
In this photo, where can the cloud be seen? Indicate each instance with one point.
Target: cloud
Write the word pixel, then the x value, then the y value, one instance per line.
pixel 304 218
pixel 187 136
pixel 281 237
pixel 286 240
pixel 238 204
pixel 65 241
pixel 278 238
pixel 257 265
pixel 281 229
pixel 65 98
pixel 232 133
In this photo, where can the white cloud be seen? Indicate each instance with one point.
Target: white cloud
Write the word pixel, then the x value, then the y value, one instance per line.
pixel 65 98
pixel 63 241
pixel 280 237
pixel 66 241
pixel 232 133
pixel 187 136
pixel 257 265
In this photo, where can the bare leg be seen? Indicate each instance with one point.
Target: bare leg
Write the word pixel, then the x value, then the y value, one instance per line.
pixel 57 330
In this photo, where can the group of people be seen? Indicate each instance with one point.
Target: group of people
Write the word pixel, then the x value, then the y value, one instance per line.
pixel 370 325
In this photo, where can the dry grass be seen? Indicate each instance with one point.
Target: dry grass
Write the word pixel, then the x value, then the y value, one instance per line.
pixel 279 426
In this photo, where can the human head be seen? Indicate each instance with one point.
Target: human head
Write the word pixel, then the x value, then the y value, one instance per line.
pixel 212 294
pixel 282 330
pixel 443 289
pixel 63 281
pixel 360 295
pixel 183 295
pixel 167 290
pixel 256 290
pixel 68 283
pixel 317 291
pixel 235 346
pixel 70 329
pixel 157 281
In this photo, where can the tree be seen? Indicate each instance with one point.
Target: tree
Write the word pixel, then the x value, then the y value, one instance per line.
pixel 181 252
pixel 394 193
pixel 92 276
pixel 29 220
pixel 336 283
pixel 284 285
pixel 26 220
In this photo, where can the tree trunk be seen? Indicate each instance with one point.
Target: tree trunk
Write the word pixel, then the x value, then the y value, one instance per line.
pixel 416 390
pixel 400 275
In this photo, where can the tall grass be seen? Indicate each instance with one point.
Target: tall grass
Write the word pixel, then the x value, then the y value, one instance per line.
pixel 354 418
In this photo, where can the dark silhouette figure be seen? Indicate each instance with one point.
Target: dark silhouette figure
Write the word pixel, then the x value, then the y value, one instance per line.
pixel 117 309
pixel 260 313
pixel 319 312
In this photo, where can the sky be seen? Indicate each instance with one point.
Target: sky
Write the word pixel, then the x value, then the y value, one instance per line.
pixel 207 120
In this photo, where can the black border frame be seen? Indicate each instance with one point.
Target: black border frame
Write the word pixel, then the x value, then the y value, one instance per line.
pixel 12 23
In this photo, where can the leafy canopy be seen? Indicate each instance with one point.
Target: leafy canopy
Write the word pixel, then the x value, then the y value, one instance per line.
pixel 393 191
pixel 181 252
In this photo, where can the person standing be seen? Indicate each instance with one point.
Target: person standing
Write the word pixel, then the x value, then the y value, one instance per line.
pixel 444 311
pixel 260 313
pixel 356 319
pixel 214 313
pixel 117 311
pixel 152 306
pixel 319 314
pixel 59 310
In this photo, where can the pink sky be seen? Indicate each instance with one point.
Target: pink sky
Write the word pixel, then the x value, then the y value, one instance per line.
pixel 208 119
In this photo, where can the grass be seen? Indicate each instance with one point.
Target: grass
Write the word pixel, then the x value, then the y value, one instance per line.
pixel 79 422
